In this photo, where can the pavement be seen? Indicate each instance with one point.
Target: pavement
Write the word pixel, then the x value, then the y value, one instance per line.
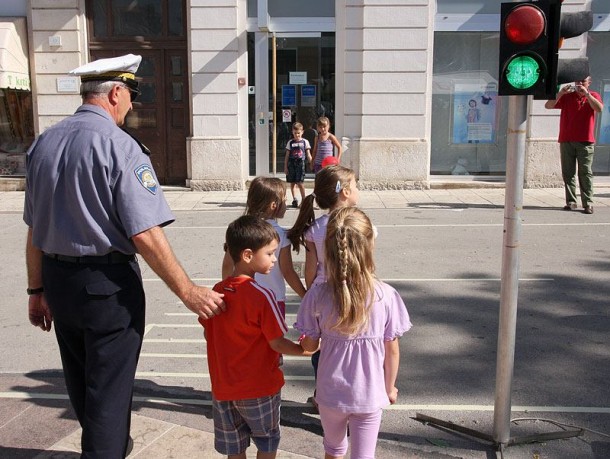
pixel 50 430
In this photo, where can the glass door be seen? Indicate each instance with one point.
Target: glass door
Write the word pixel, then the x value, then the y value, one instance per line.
pixel 300 87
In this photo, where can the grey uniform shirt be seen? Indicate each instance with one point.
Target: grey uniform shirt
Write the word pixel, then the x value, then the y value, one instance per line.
pixel 90 188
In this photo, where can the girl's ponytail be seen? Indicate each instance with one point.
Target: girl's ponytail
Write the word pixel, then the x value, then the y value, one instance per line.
pixel 306 217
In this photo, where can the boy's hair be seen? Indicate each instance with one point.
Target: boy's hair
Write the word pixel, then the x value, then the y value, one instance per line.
pixel 323 121
pixel 248 232
pixel 327 185
pixel 350 268
pixel 297 126
pixel 262 193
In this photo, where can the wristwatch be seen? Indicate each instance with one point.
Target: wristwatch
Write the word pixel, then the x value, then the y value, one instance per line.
pixel 35 291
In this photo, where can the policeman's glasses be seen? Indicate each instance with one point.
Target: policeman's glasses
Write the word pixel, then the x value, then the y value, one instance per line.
pixel 133 93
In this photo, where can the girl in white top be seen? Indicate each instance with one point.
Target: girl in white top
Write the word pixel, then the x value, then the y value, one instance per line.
pixel 267 200
pixel 335 186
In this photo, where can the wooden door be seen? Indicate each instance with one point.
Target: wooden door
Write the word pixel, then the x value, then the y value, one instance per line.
pixel 159 118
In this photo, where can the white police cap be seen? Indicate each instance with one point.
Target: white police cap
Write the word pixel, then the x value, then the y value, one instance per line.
pixel 122 68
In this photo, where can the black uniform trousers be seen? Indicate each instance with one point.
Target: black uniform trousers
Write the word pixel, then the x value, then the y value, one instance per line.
pixel 98 312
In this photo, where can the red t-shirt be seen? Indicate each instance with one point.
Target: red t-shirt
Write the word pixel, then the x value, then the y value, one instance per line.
pixel 577 120
pixel 241 362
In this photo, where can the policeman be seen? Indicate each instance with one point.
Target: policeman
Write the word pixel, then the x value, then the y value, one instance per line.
pixel 92 202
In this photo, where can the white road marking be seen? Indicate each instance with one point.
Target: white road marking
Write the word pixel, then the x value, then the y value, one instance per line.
pixel 457 279
pixel 424 225
pixel 21 395
pixel 174 340
pixel 159 355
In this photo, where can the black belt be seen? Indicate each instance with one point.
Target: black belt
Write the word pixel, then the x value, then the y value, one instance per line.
pixel 111 258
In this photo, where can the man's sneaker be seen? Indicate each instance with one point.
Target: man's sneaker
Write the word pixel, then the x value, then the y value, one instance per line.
pixel 588 210
pixel 295 204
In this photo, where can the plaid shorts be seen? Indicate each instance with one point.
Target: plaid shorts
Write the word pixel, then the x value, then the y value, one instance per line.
pixel 236 421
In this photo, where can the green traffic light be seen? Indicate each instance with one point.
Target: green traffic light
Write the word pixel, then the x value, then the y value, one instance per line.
pixel 522 72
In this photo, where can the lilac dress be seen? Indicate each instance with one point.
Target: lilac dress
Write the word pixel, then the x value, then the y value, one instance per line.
pixel 350 374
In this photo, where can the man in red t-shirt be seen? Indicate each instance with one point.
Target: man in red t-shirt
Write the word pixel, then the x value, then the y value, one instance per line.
pixel 576 139
pixel 245 345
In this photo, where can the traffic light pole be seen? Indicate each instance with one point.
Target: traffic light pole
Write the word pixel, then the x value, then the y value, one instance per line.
pixel 513 206
pixel 507 326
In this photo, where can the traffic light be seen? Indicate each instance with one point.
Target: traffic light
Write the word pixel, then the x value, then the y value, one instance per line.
pixel 566 25
pixel 524 48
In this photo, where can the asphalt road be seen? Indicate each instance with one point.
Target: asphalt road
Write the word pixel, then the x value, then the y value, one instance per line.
pixel 445 260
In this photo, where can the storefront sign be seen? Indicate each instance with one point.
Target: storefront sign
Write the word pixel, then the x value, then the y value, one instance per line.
pixel 286 115
pixel 14 81
pixel 297 77
pixel 308 95
pixel 289 95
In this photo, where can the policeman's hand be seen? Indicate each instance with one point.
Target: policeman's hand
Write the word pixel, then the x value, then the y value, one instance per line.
pixel 205 302
pixel 39 312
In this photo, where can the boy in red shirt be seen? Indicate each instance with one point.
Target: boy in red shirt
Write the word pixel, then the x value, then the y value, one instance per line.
pixel 244 346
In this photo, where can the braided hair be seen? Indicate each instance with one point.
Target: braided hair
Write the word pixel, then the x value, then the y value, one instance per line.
pixel 350 268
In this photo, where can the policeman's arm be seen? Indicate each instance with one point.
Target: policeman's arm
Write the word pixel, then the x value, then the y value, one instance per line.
pixel 154 247
pixel 38 309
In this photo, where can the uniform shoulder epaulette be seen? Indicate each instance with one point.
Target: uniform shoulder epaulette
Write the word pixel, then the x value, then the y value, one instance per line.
pixel 144 148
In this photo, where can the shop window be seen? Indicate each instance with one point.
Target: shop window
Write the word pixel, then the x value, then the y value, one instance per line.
pixel 128 19
pixel 472 140
pixel 16 130
pixel 598 44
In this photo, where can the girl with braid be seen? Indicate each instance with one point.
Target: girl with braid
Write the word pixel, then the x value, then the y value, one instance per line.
pixel 334 187
pixel 357 320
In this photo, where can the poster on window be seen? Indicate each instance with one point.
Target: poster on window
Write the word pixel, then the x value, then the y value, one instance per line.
pixel 604 126
pixel 474 113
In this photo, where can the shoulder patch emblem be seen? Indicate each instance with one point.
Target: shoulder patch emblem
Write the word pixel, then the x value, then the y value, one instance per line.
pixel 146 178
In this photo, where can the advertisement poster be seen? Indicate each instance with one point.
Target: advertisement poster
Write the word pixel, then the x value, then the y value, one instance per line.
pixel 604 126
pixel 289 95
pixel 308 95
pixel 474 113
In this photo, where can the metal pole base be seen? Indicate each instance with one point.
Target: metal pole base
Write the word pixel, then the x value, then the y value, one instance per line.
pixel 538 438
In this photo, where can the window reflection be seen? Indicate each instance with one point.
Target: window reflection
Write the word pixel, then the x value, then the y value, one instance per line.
pixel 137 17
pixel 149 93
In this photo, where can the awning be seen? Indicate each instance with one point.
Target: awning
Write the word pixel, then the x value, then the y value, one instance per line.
pixel 14 64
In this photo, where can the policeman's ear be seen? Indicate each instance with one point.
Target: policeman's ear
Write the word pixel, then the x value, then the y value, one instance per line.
pixel 113 95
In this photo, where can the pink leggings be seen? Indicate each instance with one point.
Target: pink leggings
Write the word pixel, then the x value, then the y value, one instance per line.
pixel 363 431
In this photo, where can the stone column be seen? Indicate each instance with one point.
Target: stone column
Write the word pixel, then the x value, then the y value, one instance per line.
pixel 218 149
pixel 384 90
pixel 64 22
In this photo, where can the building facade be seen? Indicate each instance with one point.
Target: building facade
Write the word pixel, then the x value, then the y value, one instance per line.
pixel 410 86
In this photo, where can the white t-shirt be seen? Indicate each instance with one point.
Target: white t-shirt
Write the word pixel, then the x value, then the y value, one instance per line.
pixel 274 281
pixel 316 233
